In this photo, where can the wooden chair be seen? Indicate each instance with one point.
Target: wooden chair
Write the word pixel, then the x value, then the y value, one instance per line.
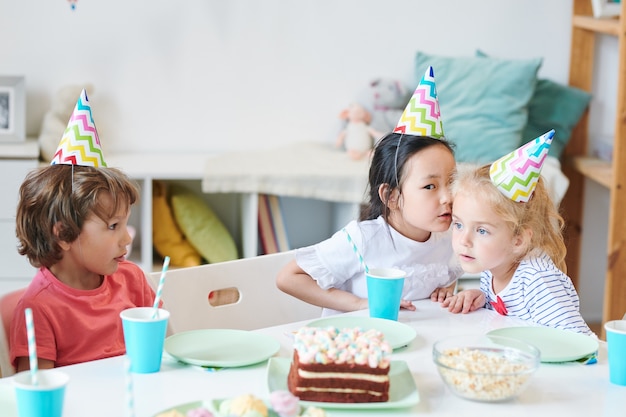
pixel 239 294
pixel 8 303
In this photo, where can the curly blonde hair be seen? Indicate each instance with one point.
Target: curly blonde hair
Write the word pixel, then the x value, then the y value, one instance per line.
pixel 539 214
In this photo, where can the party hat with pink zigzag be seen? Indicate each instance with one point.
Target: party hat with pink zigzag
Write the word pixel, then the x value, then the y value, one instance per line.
pixel 517 173
pixel 422 117
pixel 80 144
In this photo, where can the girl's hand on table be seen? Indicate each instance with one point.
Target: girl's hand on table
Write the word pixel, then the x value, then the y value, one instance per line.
pixel 465 301
pixel 441 294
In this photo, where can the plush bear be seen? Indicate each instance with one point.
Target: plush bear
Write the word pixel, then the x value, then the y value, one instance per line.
pixel 56 118
pixel 357 137
pixel 387 99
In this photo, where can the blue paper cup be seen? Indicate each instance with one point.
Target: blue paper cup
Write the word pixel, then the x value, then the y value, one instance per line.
pixel 144 337
pixel 44 399
pixel 616 346
pixel 384 292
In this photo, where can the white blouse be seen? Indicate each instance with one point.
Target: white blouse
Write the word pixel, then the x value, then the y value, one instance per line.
pixel 333 263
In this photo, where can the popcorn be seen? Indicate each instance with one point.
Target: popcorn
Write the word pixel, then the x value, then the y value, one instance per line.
pixel 482 376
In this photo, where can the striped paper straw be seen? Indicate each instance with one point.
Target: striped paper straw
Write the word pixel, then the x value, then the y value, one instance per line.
pixel 157 299
pixel 356 251
pixel 130 393
pixel 32 345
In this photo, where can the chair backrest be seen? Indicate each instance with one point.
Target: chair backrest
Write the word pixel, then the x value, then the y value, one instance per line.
pixel 189 294
pixel 8 303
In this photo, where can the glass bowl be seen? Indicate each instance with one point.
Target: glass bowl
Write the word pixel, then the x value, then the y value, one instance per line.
pixel 485 368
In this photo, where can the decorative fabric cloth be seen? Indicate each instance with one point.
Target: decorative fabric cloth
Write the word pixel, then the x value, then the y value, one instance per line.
pixel 422 117
pixel 80 144
pixel 517 173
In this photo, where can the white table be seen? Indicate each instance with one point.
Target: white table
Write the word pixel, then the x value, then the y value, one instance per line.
pixel 97 389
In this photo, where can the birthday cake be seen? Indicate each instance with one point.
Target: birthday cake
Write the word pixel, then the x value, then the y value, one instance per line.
pixel 340 365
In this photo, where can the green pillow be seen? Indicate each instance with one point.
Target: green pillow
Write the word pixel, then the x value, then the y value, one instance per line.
pixel 202 228
pixel 483 102
pixel 554 106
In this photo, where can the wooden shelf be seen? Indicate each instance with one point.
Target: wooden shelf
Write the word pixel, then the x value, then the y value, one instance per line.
pixel 608 26
pixel 579 166
pixel 593 168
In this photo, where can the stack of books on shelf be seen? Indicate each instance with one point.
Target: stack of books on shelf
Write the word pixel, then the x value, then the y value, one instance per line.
pixel 272 231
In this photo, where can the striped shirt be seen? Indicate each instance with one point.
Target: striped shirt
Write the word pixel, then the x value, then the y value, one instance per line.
pixel 539 292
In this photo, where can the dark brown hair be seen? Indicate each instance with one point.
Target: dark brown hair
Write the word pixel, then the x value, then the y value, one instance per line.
pixel 387 167
pixel 65 195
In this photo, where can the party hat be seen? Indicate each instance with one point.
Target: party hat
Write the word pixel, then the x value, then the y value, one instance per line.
pixel 80 144
pixel 422 117
pixel 517 173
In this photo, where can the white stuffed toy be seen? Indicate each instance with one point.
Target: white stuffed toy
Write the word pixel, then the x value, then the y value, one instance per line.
pixel 357 137
pixel 388 98
pixel 55 120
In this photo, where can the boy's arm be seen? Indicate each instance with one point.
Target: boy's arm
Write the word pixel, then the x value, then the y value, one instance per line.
pixel 23 364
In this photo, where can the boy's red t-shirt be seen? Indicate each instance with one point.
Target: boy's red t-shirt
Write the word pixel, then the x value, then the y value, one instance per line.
pixel 73 326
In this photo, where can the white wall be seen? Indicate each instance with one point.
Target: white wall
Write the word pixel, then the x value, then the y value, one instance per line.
pixel 213 75
pixel 222 75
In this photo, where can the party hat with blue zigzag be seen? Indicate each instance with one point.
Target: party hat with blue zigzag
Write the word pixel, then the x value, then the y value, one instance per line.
pixel 517 173
pixel 80 144
pixel 422 117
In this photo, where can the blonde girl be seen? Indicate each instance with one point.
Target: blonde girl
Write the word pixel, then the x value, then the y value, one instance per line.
pixel 518 248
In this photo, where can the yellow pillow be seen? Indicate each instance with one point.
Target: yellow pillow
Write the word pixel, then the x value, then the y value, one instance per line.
pixel 202 228
pixel 167 238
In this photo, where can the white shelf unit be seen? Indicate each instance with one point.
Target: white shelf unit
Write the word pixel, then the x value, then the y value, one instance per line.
pixel 16 160
pixel 238 211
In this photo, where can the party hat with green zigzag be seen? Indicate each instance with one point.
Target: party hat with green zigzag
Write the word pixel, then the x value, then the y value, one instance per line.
pixel 517 173
pixel 422 117
pixel 80 144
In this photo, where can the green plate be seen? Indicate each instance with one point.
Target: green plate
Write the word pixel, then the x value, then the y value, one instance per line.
pixel 221 347
pixel 184 408
pixel 210 405
pixel 396 334
pixel 402 390
pixel 555 345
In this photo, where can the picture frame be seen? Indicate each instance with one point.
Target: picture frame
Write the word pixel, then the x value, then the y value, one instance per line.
pixel 12 109
pixel 606 8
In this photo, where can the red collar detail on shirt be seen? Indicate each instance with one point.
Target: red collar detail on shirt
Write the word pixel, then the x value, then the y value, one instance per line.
pixel 499 306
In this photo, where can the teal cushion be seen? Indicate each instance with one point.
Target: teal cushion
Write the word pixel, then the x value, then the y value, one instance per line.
pixel 483 102
pixel 201 226
pixel 554 106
